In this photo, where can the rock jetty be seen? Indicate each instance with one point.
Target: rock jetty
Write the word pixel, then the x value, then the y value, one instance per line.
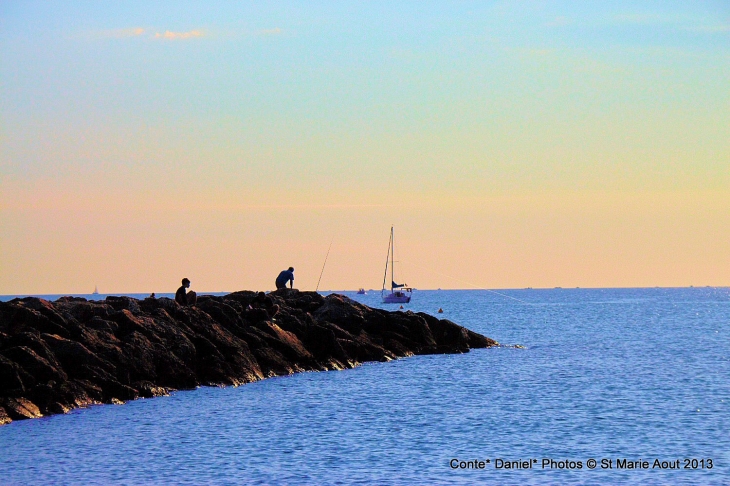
pixel 57 356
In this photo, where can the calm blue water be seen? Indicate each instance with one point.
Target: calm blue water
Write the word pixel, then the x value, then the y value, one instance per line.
pixel 606 373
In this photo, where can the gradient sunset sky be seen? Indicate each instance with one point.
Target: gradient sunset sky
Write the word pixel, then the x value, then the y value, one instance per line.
pixel 512 144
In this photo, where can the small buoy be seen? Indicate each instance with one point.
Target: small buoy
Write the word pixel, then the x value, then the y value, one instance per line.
pixel 441 311
pixel 401 307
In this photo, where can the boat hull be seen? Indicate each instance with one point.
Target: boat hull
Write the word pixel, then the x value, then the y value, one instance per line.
pixel 396 298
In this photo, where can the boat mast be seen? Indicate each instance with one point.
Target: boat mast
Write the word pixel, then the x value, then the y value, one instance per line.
pixel 392 259
pixel 387 255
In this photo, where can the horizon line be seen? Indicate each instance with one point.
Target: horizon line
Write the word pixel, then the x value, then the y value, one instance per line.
pixel 202 293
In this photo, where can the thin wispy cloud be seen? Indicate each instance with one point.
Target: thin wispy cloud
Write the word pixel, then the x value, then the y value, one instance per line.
pixel 170 35
pixel 137 31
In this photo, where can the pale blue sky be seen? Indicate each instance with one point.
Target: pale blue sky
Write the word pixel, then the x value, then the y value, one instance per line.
pixel 113 107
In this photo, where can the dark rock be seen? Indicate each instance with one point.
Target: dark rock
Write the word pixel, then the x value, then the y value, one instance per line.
pixel 243 297
pixel 71 353
pixel 220 312
pixel 34 365
pixel 79 309
pixel 343 311
pixel 256 314
pixel 69 298
pixel 33 341
pixel 99 324
pixel 323 344
pixel 147 389
pixel 19 318
pixel 452 335
pixel 80 393
pixel 11 378
pixel 43 395
pixel 112 389
pixel 286 342
pixel 57 408
pixel 119 303
pixel 20 408
pixel 4 417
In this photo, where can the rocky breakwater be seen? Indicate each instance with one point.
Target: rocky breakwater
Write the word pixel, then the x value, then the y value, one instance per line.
pixel 57 356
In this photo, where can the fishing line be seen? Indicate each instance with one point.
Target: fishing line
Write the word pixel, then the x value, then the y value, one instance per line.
pixel 325 263
pixel 478 288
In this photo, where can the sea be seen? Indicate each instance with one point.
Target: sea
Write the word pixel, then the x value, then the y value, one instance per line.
pixel 589 386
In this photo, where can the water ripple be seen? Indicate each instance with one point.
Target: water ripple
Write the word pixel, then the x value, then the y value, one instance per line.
pixel 605 373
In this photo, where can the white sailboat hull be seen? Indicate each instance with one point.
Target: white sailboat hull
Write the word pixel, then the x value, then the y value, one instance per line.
pixel 396 298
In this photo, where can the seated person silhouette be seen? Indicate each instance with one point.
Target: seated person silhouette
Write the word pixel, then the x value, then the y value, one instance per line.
pixel 183 297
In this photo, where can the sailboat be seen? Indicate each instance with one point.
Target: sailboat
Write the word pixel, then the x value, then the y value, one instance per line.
pixel 96 290
pixel 399 293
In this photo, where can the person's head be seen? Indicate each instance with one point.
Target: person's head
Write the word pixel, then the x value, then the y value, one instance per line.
pixel 186 282
pixel 291 269
pixel 261 294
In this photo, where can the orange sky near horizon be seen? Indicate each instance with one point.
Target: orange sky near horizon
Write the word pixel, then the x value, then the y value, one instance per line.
pixel 568 240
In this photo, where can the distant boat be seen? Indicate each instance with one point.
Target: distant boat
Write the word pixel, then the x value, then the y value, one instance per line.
pixel 361 291
pixel 399 293
pixel 96 290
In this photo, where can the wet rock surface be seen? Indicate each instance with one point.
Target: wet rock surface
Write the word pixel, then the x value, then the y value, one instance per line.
pixel 57 356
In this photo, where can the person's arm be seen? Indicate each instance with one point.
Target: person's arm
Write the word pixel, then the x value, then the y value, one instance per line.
pixel 291 282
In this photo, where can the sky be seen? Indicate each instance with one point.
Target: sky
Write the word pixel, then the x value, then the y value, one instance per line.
pixel 511 144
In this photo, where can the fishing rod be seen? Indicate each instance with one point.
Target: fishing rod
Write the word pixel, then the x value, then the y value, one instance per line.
pixel 325 263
